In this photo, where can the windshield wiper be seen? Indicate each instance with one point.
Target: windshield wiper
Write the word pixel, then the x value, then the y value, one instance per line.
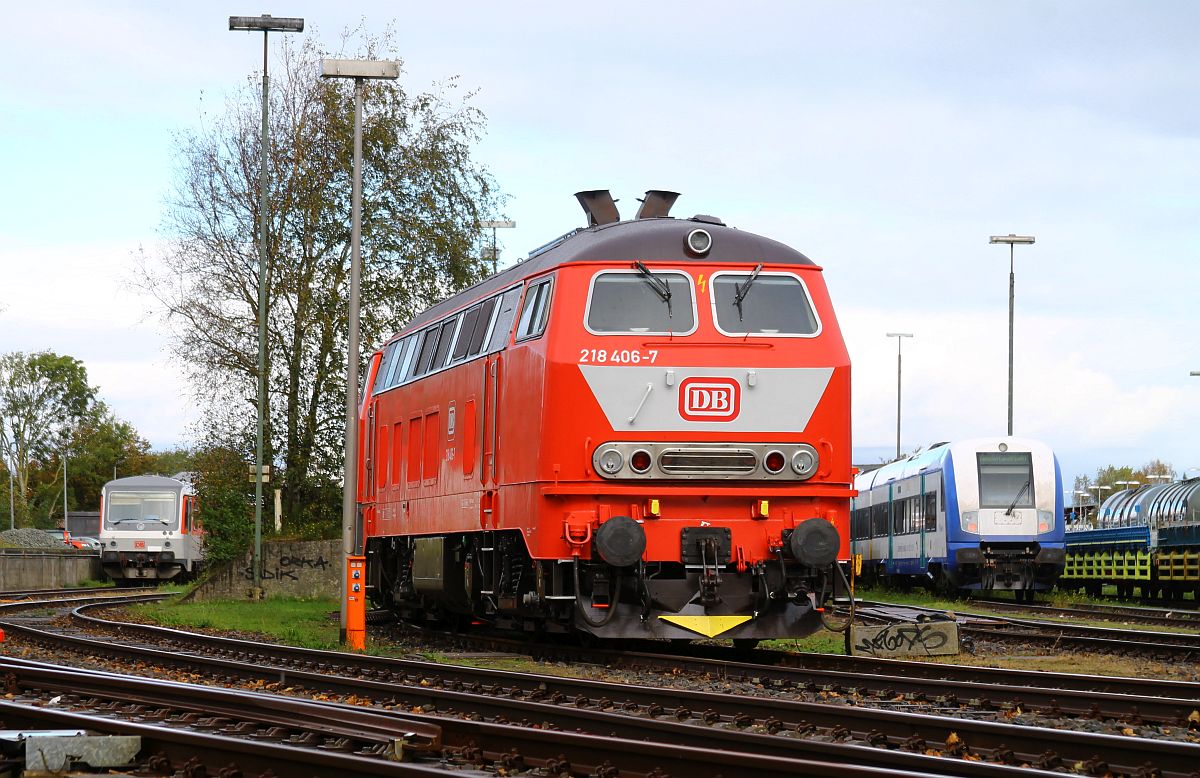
pixel 1017 499
pixel 657 284
pixel 740 291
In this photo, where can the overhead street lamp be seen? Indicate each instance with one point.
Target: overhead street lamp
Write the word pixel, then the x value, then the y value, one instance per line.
pixel 1098 488
pixel 494 225
pixel 1011 240
pixel 899 336
pixel 1079 503
pixel 266 24
pixel 354 631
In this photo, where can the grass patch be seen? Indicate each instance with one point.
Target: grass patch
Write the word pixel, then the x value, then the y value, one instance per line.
pixel 297 622
pixel 92 583
pixel 823 642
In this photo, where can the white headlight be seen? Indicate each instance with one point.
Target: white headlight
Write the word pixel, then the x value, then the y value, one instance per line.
pixel 611 461
pixel 804 461
pixel 699 242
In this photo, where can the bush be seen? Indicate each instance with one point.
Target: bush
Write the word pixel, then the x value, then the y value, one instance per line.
pixel 226 504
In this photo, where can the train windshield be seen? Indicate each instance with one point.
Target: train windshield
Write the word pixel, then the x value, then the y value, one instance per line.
pixel 762 304
pixel 654 303
pixel 1005 480
pixel 155 509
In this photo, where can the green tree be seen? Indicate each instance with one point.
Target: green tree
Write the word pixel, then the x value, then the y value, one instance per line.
pixel 225 502
pixel 169 461
pixel 100 447
pixel 43 396
pixel 423 197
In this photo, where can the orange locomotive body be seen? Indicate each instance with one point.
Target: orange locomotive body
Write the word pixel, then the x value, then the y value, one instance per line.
pixel 643 430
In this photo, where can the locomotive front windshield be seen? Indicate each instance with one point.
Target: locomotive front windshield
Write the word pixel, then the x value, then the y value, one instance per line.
pixel 1005 480
pixel 154 508
pixel 655 303
pixel 762 304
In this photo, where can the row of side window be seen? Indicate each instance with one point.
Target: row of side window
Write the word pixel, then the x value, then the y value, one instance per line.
pixel 483 328
pixel 907 516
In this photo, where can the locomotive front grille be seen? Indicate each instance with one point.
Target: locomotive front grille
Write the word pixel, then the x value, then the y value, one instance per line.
pixel 699 461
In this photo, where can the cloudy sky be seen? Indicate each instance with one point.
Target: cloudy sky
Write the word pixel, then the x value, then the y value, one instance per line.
pixel 885 140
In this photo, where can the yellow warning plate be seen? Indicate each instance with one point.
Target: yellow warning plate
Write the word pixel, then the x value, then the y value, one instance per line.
pixel 709 626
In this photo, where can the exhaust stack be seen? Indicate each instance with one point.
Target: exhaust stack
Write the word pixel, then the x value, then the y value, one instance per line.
pixel 656 204
pixel 599 206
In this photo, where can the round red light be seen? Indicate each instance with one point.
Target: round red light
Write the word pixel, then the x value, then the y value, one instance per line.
pixel 775 461
pixel 640 461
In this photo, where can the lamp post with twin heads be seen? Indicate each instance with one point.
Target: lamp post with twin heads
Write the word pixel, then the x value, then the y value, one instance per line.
pixel 267 24
pixel 353 619
pixel 1011 240
pixel 495 224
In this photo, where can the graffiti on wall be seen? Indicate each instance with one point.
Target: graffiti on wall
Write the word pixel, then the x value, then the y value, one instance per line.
pixel 922 639
pixel 287 567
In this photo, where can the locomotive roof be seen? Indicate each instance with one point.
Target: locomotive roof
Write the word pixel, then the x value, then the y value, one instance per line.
pixel 914 464
pixel 650 240
pixel 145 481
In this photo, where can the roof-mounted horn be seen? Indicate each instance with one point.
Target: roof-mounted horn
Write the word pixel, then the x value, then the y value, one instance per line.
pixel 599 206
pixel 656 204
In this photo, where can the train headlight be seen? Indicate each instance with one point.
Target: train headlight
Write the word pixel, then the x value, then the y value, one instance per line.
pixel 611 461
pixel 699 242
pixel 1045 521
pixel 774 461
pixel 970 521
pixel 805 461
pixel 640 461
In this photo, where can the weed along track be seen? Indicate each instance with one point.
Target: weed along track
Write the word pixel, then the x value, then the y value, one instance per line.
pixel 746 711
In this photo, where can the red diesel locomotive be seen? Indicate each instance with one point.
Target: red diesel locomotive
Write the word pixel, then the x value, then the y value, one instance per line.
pixel 642 430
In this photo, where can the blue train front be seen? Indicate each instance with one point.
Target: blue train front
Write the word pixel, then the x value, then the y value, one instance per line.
pixel 979 514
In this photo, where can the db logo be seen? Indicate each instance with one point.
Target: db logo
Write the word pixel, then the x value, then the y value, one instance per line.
pixel 709 399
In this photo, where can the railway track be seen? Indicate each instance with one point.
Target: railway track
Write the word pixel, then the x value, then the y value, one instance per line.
pixel 293 737
pixel 1165 617
pixel 1057 634
pixel 32 594
pixel 840 727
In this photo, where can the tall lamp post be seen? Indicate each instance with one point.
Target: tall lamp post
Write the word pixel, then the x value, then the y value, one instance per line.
pixel 1098 489
pixel 899 336
pixel 494 225
pixel 353 620
pixel 1079 494
pixel 64 453
pixel 12 500
pixel 1011 240
pixel 266 24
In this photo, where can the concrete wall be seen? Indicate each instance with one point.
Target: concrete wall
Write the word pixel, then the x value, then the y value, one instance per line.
pixel 50 569
pixel 290 568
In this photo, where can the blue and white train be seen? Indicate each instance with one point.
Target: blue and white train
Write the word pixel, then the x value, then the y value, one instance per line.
pixel 983 514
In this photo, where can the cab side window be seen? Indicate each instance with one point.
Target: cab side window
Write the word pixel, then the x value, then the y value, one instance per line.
pixel 534 311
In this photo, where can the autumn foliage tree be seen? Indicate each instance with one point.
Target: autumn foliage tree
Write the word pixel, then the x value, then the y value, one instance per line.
pixel 423 197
